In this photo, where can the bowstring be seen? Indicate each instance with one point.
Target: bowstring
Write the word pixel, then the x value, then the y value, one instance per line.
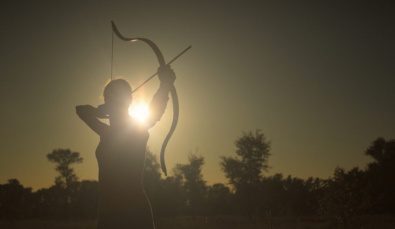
pixel 112 52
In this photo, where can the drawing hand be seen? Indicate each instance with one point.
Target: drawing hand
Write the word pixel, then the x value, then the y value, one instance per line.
pixel 102 111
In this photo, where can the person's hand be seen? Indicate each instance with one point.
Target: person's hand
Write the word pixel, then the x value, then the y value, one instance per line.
pixel 102 111
pixel 166 75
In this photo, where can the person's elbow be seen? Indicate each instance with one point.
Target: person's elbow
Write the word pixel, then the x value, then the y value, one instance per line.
pixel 81 110
pixel 78 109
pixel 151 123
pixel 153 119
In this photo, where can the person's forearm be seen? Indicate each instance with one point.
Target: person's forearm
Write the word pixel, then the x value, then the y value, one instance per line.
pixel 89 115
pixel 164 89
pixel 86 112
pixel 161 97
pixel 159 101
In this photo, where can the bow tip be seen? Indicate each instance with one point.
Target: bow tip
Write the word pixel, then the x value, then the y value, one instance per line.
pixel 164 170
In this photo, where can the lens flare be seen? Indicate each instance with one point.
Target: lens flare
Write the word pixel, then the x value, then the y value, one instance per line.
pixel 139 112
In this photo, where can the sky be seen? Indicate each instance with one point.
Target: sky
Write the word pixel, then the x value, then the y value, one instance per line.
pixel 317 77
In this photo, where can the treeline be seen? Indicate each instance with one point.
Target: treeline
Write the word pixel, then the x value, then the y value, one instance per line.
pixel 249 192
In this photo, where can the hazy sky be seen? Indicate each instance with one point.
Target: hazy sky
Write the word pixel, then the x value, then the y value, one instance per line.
pixel 317 78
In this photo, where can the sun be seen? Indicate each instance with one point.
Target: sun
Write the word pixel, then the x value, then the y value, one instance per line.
pixel 139 112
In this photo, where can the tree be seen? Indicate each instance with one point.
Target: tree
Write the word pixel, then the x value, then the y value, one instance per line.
pixel 194 185
pixel 380 174
pixel 152 173
pixel 383 152
pixel 171 198
pixel 219 199
pixel 15 200
pixel 84 200
pixel 345 195
pixel 244 171
pixel 252 153
pixel 64 158
pixel 152 182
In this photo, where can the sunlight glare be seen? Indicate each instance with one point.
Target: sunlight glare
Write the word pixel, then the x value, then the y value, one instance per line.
pixel 139 112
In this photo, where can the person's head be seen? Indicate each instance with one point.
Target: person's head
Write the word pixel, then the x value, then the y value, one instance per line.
pixel 117 96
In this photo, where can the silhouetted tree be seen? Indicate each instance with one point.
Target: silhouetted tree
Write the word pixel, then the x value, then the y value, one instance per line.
pixel 271 195
pixel 244 171
pixel 300 195
pixel 383 152
pixel 194 185
pixel 152 182
pixel 60 197
pixel 152 174
pixel 219 199
pixel 84 200
pixel 172 197
pixel 64 158
pixel 380 173
pixel 345 195
pixel 252 152
pixel 167 195
pixel 15 200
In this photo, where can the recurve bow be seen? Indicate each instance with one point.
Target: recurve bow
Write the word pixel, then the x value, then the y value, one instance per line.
pixel 173 91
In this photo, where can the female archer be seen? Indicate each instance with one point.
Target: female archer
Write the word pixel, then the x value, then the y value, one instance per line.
pixel 120 153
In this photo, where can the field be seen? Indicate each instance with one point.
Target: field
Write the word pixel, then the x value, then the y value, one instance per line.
pixel 371 222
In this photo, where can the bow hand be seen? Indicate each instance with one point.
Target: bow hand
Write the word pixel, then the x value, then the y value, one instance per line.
pixel 166 75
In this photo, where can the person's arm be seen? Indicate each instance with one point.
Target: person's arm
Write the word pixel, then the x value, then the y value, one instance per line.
pixel 89 115
pixel 159 101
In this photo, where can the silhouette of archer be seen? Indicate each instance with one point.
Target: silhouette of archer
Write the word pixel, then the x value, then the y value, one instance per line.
pixel 120 153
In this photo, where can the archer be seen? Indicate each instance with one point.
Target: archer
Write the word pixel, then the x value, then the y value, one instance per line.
pixel 121 152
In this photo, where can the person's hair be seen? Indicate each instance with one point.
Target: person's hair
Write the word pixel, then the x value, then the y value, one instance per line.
pixel 117 87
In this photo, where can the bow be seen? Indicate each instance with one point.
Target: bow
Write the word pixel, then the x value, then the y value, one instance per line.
pixel 173 91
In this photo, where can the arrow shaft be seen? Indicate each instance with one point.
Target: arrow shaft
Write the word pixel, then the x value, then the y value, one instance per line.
pixel 156 73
